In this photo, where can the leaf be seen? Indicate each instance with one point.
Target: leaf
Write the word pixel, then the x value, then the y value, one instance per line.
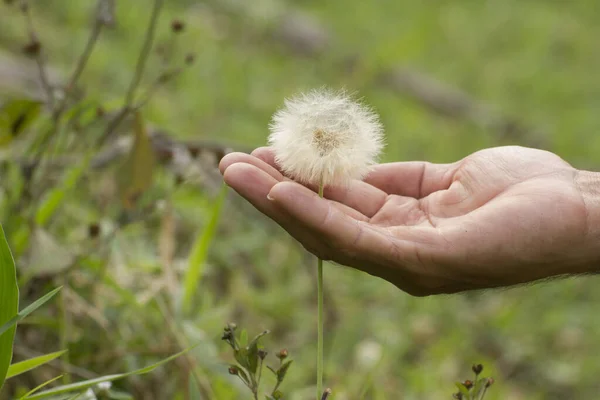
pixel 136 174
pixel 38 387
pixel 463 390
pixel 107 378
pixel 479 387
pixel 193 391
pixel 282 371
pixel 9 304
pixel 243 375
pixel 28 310
pixel 16 116
pixel 24 366
pixel 254 341
pixel 243 338
pixel 200 251
pixel 241 356
pixel 253 353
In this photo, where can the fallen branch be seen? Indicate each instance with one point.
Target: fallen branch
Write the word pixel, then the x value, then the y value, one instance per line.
pixel 453 103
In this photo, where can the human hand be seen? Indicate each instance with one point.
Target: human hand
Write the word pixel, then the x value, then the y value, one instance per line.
pixel 499 217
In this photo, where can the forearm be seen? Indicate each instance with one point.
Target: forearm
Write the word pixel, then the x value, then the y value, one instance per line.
pixel 588 184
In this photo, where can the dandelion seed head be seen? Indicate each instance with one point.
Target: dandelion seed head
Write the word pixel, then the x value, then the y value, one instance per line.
pixel 325 136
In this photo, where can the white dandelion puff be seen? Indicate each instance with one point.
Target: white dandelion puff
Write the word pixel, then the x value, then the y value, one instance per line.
pixel 325 137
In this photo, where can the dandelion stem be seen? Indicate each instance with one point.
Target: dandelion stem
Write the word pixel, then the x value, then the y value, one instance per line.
pixel 320 318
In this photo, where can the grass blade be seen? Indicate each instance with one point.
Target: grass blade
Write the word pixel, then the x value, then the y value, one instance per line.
pixel 28 310
pixel 38 387
pixel 9 304
pixel 200 251
pixel 27 365
pixel 107 378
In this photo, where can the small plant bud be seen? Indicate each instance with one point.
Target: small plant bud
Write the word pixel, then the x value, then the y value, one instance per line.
pixel 233 370
pixel 177 25
pixel 477 368
pixel 457 396
pixel 190 58
pixel 94 230
pixel 262 354
pixel 282 355
pixel 32 48
pixel 227 335
pixel 489 382
pixel 231 326
pixel 277 395
pixel 468 384
pixel 100 112
pixel 326 394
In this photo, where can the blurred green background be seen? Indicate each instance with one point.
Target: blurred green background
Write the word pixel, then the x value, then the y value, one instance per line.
pixel 447 78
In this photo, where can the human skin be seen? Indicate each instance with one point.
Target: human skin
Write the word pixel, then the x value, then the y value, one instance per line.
pixel 499 217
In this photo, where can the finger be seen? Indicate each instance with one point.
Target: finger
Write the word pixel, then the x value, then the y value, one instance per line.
pixel 267 155
pixel 233 158
pixel 358 195
pixel 328 223
pixel 254 185
pixel 364 198
pixel 414 178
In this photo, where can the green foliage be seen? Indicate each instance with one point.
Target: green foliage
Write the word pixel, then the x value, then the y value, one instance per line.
pixel 200 249
pixel 16 116
pixel 40 386
pixel 534 62
pixel 250 358
pixel 9 305
pixel 27 310
pixel 27 365
pixel 108 378
pixel 55 198
pixel 136 177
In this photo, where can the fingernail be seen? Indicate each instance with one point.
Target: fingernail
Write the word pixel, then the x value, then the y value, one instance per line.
pixel 269 197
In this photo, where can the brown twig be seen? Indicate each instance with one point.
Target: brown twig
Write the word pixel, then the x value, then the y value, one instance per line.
pixel 137 76
pixel 305 36
pixel 454 103
pixel 38 55
pixel 161 80
pixel 99 23
pixel 102 18
pixel 143 57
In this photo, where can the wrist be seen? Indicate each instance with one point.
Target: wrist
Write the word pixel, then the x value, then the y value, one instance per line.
pixel 588 184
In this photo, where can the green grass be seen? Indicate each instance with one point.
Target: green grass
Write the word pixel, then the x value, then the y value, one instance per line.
pixel 534 60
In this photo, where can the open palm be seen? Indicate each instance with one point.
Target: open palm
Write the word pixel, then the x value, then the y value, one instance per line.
pixel 498 217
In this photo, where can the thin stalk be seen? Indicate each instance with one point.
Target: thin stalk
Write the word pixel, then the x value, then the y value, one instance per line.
pixel 320 318
pixel 65 328
pixel 39 57
pixel 128 107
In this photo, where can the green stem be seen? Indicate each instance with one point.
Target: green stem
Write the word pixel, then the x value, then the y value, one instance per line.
pixel 320 319
pixel 65 328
